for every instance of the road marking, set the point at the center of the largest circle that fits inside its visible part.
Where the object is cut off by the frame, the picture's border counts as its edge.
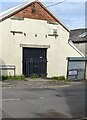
(9, 99)
(41, 97)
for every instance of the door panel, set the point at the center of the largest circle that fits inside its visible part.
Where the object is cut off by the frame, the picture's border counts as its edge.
(76, 70)
(34, 61)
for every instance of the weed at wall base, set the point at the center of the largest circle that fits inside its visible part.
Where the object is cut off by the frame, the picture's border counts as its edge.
(16, 77)
(58, 78)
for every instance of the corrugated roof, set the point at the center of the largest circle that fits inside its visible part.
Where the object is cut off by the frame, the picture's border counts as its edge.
(82, 35)
(10, 12)
(78, 35)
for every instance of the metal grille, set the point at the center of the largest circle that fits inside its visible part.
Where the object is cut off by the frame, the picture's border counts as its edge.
(33, 67)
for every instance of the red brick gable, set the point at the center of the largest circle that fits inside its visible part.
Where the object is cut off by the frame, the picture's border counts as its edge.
(35, 11)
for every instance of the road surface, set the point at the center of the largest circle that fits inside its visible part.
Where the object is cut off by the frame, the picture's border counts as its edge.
(56, 102)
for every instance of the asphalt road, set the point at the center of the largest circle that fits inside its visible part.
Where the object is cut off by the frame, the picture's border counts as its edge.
(62, 102)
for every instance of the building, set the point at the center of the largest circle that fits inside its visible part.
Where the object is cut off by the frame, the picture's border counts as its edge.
(79, 38)
(35, 42)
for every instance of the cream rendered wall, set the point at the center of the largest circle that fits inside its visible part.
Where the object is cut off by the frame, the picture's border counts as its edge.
(7, 46)
(0, 50)
(56, 55)
(0, 46)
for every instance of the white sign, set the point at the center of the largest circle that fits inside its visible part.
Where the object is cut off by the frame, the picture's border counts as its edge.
(74, 72)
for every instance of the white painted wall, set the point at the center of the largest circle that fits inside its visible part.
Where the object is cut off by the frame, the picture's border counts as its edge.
(0, 49)
(56, 55)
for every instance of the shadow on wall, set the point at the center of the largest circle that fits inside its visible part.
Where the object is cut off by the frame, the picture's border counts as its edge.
(2, 72)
